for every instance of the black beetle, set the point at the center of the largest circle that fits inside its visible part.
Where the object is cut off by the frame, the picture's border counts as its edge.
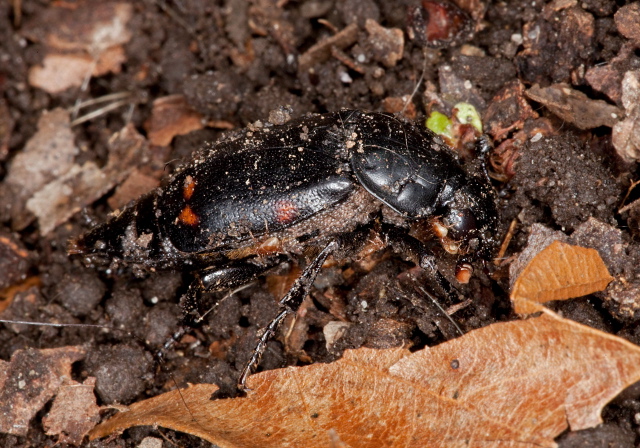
(320, 182)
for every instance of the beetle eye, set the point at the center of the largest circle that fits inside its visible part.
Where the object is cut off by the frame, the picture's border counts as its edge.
(461, 223)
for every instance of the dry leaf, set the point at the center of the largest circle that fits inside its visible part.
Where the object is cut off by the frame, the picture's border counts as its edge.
(63, 197)
(542, 374)
(321, 51)
(171, 116)
(574, 106)
(46, 156)
(86, 40)
(88, 26)
(135, 185)
(59, 71)
(74, 412)
(29, 381)
(540, 237)
(559, 272)
(512, 384)
(625, 135)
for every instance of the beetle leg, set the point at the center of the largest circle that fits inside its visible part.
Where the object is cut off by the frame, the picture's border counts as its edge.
(428, 263)
(290, 303)
(483, 148)
(210, 280)
(232, 275)
(218, 278)
(418, 253)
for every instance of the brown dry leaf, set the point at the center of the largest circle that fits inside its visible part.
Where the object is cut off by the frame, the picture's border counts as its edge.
(321, 51)
(626, 133)
(512, 384)
(84, 26)
(508, 110)
(542, 374)
(84, 39)
(171, 116)
(355, 397)
(134, 186)
(60, 71)
(59, 200)
(63, 197)
(29, 381)
(74, 412)
(559, 272)
(574, 106)
(46, 156)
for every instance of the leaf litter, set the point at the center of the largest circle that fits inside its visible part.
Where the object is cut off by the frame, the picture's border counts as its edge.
(564, 32)
(518, 383)
(559, 272)
(29, 380)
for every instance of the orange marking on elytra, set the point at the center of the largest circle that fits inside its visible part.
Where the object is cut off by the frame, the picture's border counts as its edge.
(189, 187)
(188, 216)
(286, 211)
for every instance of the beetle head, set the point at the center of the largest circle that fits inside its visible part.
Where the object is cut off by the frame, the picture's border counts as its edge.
(466, 221)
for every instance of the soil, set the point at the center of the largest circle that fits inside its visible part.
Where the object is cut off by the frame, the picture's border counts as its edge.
(237, 62)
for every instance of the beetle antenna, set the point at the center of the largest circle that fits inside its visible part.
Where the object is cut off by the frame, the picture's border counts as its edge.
(226, 296)
(52, 324)
(442, 310)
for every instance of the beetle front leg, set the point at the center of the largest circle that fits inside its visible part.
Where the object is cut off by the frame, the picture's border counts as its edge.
(418, 253)
(483, 148)
(289, 304)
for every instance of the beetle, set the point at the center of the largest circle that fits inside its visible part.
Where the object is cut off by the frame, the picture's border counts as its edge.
(318, 185)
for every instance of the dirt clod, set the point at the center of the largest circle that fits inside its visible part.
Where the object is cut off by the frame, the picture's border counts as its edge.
(569, 187)
(80, 292)
(119, 371)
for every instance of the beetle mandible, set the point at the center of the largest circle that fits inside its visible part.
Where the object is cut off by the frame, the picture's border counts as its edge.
(246, 204)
